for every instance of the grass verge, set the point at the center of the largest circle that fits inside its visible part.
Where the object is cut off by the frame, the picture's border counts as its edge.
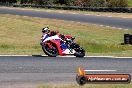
(130, 3)
(88, 86)
(21, 35)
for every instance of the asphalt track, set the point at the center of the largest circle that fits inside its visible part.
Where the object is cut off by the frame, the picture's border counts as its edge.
(101, 20)
(31, 69)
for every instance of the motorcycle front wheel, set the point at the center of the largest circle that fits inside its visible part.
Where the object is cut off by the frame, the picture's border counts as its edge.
(50, 51)
(80, 52)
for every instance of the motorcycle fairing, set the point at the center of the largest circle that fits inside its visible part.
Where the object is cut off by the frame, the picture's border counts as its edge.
(68, 51)
(47, 38)
(63, 50)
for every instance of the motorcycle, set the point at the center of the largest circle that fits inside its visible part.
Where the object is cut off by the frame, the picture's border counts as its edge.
(55, 45)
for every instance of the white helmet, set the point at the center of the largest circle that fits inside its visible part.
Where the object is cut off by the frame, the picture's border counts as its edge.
(46, 29)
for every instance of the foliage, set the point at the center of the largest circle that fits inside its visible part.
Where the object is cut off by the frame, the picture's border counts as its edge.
(43, 2)
(117, 3)
(8, 1)
(82, 3)
(90, 3)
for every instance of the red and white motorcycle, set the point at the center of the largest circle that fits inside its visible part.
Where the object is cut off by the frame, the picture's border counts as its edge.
(60, 45)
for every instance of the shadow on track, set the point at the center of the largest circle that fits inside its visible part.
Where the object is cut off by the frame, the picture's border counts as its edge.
(39, 56)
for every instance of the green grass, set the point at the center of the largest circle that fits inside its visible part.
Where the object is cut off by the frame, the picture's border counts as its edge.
(87, 86)
(130, 3)
(21, 35)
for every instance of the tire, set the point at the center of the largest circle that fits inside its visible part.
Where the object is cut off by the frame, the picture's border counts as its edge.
(80, 52)
(81, 80)
(51, 52)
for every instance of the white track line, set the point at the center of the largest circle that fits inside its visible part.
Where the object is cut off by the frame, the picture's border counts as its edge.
(108, 56)
(71, 56)
(100, 56)
(122, 57)
(100, 70)
(16, 55)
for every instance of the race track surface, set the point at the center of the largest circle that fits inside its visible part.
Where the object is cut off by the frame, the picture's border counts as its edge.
(29, 69)
(101, 20)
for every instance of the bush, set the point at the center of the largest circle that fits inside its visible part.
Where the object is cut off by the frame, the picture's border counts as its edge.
(90, 3)
(117, 3)
(43, 2)
(64, 2)
(97, 3)
(70, 2)
(8, 1)
(37, 2)
(82, 3)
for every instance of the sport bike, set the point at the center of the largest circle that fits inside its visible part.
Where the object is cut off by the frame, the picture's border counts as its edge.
(55, 45)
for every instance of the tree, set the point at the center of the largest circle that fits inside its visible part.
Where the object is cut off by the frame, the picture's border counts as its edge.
(43, 2)
(97, 3)
(23, 1)
(8, 1)
(12, 1)
(90, 3)
(117, 3)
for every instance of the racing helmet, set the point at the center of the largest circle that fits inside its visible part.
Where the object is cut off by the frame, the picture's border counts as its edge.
(46, 29)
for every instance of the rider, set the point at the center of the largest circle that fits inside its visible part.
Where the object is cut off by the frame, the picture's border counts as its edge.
(64, 39)
(52, 33)
(46, 30)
